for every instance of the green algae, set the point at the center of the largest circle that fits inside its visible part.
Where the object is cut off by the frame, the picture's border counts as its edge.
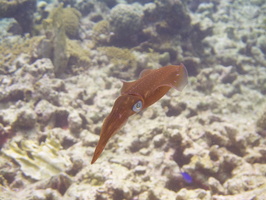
(119, 56)
(38, 161)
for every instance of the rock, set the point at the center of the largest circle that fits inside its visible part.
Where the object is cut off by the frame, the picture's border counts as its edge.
(16, 92)
(140, 170)
(174, 135)
(261, 122)
(44, 49)
(41, 67)
(232, 132)
(88, 138)
(262, 43)
(158, 140)
(26, 118)
(217, 137)
(75, 122)
(164, 58)
(192, 65)
(184, 194)
(229, 75)
(139, 143)
(60, 182)
(215, 186)
(44, 90)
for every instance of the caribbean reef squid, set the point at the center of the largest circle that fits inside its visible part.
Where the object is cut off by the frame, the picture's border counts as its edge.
(137, 95)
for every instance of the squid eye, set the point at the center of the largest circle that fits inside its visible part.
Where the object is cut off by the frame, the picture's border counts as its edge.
(137, 106)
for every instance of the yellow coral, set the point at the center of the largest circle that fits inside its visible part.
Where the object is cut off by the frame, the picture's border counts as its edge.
(38, 161)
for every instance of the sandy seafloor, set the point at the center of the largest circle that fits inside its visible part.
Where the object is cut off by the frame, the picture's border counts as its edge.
(55, 94)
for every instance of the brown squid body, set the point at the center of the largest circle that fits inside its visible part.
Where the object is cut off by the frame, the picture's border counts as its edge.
(137, 95)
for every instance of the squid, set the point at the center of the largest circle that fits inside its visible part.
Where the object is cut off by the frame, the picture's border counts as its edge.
(138, 95)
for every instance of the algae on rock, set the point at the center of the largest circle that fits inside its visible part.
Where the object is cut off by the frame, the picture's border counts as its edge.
(9, 52)
(123, 60)
(118, 55)
(38, 161)
(100, 32)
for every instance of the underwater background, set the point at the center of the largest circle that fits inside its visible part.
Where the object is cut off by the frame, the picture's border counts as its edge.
(61, 66)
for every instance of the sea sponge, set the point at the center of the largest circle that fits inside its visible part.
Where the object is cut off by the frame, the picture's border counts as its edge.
(68, 18)
(61, 26)
(126, 22)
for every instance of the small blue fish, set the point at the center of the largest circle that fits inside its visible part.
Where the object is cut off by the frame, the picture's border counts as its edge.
(187, 178)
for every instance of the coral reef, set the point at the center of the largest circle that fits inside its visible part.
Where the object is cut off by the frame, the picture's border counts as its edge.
(175, 15)
(68, 19)
(126, 23)
(101, 32)
(10, 53)
(22, 11)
